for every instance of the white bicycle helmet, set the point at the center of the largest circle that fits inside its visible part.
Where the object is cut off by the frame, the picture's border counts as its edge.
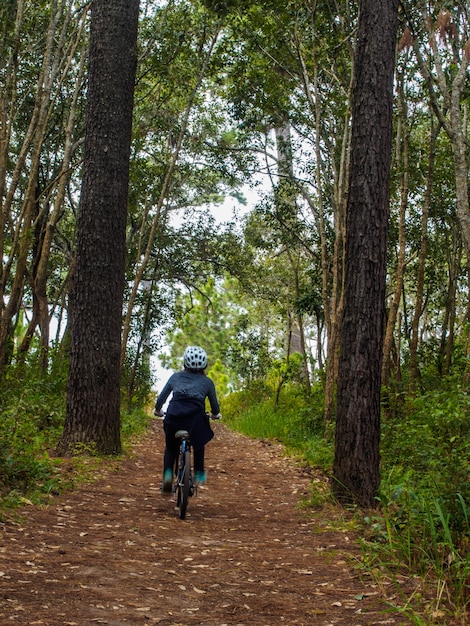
(195, 358)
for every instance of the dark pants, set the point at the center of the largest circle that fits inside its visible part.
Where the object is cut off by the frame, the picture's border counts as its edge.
(172, 445)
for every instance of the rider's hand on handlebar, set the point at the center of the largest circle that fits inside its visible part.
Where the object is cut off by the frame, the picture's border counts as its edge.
(215, 417)
(157, 413)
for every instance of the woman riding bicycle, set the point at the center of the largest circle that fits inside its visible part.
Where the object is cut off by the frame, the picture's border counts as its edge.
(187, 411)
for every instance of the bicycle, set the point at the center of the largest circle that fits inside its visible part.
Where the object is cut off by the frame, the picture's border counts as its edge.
(184, 486)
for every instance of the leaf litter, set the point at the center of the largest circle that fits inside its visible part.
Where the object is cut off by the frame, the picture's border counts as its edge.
(115, 552)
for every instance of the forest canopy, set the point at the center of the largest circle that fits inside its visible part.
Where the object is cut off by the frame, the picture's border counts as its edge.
(226, 99)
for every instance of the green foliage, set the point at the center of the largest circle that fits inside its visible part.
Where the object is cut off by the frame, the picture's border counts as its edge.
(296, 422)
(431, 442)
(413, 536)
(422, 526)
(221, 381)
(217, 317)
(245, 334)
(134, 422)
(248, 355)
(32, 408)
(287, 369)
(223, 7)
(136, 377)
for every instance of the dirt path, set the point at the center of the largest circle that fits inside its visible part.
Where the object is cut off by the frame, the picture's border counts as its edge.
(115, 552)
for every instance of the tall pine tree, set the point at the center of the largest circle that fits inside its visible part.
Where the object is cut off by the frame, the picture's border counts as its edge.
(356, 463)
(93, 400)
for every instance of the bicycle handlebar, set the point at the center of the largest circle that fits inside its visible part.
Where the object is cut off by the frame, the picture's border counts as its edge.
(210, 416)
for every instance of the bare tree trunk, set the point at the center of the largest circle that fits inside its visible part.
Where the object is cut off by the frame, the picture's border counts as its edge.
(356, 474)
(403, 168)
(93, 397)
(336, 303)
(60, 47)
(414, 368)
(40, 276)
(288, 195)
(138, 351)
(159, 214)
(298, 328)
(454, 258)
(332, 295)
(453, 113)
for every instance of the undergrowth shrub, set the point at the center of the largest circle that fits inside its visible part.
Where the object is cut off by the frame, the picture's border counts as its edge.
(428, 450)
(134, 422)
(32, 411)
(422, 525)
(290, 418)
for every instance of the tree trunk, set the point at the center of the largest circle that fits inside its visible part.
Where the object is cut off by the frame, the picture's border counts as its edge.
(356, 462)
(452, 82)
(414, 368)
(402, 166)
(21, 161)
(159, 214)
(28, 156)
(288, 197)
(332, 298)
(454, 258)
(45, 237)
(93, 399)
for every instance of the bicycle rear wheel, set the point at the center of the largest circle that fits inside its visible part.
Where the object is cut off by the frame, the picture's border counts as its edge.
(183, 486)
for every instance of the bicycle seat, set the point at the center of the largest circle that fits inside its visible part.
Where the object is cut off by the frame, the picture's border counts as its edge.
(182, 434)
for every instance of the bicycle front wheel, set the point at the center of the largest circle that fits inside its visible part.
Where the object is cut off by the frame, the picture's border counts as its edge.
(183, 486)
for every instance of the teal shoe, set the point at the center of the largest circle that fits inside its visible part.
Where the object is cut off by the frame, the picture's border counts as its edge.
(167, 481)
(200, 478)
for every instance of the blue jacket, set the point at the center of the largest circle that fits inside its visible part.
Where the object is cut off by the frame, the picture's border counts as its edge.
(186, 409)
(187, 385)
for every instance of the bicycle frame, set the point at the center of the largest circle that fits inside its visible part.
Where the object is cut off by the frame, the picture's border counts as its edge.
(184, 485)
